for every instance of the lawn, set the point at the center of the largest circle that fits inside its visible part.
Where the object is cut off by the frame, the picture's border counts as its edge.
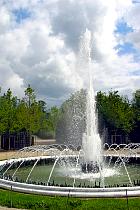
(28, 201)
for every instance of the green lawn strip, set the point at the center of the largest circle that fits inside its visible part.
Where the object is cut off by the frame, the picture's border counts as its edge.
(28, 201)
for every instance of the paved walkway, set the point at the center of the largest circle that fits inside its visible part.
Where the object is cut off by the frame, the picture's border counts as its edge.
(5, 208)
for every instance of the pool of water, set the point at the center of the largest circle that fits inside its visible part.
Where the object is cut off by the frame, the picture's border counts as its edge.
(68, 174)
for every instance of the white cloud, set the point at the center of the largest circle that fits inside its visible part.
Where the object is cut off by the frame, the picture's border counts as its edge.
(4, 20)
(132, 19)
(42, 49)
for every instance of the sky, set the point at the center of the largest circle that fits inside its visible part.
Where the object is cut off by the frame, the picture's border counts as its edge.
(39, 45)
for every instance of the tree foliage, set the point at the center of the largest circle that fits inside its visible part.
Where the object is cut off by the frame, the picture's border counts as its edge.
(21, 114)
(8, 105)
(115, 110)
(136, 105)
(67, 122)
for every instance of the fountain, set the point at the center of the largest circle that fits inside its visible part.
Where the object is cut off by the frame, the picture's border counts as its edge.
(91, 140)
(57, 170)
(65, 170)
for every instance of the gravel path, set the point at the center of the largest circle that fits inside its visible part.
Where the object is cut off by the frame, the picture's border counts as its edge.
(7, 154)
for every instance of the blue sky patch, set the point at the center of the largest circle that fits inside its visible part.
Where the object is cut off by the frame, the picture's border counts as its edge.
(21, 14)
(123, 28)
(136, 1)
(137, 57)
(126, 48)
(135, 73)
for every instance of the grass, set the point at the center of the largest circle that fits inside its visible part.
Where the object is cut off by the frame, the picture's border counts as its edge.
(28, 201)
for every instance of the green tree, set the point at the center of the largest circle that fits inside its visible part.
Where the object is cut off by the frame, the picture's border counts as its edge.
(43, 105)
(26, 114)
(22, 116)
(116, 111)
(135, 134)
(30, 116)
(34, 112)
(30, 96)
(8, 104)
(52, 120)
(136, 105)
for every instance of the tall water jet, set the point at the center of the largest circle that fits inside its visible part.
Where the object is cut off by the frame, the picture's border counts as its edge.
(91, 142)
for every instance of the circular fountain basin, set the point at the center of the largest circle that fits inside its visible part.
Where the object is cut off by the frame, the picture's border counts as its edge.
(56, 172)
